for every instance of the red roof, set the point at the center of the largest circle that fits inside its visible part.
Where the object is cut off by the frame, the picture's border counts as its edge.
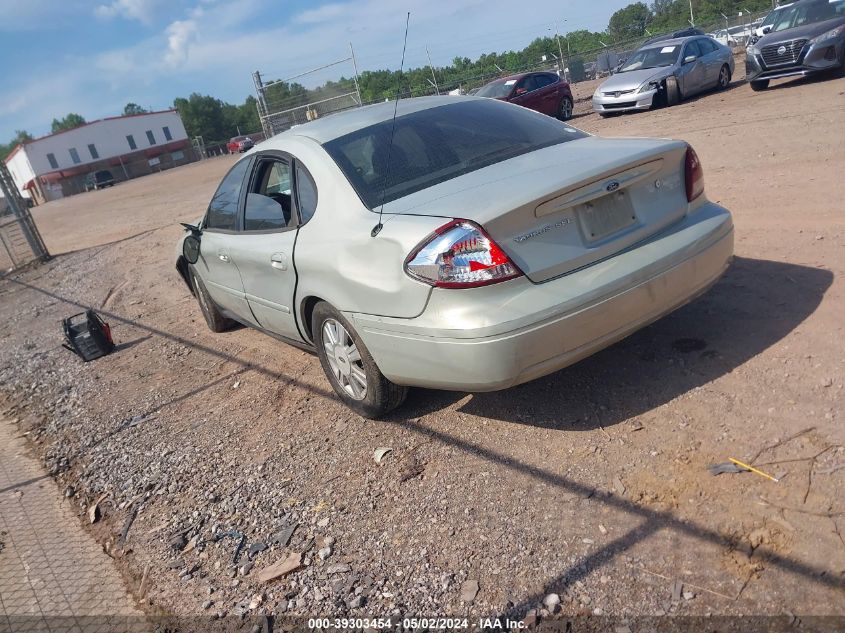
(86, 124)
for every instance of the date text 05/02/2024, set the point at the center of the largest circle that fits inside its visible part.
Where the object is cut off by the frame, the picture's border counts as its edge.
(415, 623)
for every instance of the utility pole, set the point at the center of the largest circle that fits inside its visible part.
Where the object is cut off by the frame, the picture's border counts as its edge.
(355, 68)
(436, 89)
(560, 51)
(266, 127)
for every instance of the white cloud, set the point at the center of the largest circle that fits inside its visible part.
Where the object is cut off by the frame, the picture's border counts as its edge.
(180, 35)
(140, 10)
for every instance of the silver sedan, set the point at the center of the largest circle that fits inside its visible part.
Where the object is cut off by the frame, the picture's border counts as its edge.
(471, 245)
(664, 73)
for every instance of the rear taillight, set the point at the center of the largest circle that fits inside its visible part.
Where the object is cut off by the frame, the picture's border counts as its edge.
(460, 255)
(694, 175)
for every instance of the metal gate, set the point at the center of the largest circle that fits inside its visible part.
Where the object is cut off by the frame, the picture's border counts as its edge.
(20, 241)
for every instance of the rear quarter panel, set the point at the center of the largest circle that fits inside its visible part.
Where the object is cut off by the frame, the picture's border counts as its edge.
(336, 257)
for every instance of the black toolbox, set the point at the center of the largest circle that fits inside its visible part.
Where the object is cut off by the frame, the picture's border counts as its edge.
(88, 335)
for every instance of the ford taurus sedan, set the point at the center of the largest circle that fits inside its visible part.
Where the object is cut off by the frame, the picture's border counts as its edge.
(472, 245)
(665, 72)
(805, 38)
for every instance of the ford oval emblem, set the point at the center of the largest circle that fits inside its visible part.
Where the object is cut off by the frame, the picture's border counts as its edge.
(782, 50)
(612, 186)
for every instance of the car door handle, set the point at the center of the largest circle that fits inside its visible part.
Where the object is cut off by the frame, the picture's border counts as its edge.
(223, 257)
(279, 261)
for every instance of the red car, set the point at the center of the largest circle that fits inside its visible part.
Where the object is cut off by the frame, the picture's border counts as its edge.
(239, 144)
(544, 92)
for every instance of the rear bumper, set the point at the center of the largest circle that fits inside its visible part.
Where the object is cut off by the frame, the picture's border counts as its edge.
(498, 336)
(624, 103)
(813, 59)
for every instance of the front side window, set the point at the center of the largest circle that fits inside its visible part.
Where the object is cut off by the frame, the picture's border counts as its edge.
(150, 137)
(306, 194)
(131, 140)
(51, 158)
(438, 144)
(268, 205)
(692, 49)
(222, 213)
(74, 155)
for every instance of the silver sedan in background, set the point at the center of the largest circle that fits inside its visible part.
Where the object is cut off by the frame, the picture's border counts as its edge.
(663, 73)
(473, 245)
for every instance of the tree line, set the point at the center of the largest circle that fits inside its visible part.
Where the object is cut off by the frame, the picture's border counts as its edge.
(216, 121)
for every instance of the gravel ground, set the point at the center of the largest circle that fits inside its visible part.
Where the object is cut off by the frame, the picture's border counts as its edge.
(215, 459)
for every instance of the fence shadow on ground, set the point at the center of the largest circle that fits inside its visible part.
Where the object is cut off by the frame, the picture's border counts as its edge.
(756, 305)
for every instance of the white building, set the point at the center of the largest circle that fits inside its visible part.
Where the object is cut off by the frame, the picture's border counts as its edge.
(127, 146)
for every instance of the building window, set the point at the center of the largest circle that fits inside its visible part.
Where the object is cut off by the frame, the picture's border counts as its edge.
(167, 133)
(51, 158)
(177, 155)
(150, 137)
(74, 156)
(131, 140)
(93, 151)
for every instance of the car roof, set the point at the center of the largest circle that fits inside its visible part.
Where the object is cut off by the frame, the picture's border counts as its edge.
(332, 126)
(675, 41)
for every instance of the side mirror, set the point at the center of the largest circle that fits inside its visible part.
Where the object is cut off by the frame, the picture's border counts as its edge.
(191, 248)
(690, 59)
(767, 30)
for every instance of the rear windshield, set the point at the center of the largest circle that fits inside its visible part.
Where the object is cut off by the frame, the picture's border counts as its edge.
(435, 145)
(497, 89)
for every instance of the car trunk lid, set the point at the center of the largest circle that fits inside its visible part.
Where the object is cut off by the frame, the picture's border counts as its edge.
(567, 206)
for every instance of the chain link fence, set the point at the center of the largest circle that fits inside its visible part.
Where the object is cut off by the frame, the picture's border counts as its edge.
(20, 241)
(284, 103)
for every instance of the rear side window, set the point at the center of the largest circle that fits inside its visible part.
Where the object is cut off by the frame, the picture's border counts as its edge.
(438, 144)
(707, 46)
(223, 211)
(306, 194)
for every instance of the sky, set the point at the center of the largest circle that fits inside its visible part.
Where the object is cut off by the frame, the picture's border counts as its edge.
(93, 57)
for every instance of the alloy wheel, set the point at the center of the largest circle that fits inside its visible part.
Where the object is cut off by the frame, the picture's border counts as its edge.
(344, 359)
(566, 109)
(724, 77)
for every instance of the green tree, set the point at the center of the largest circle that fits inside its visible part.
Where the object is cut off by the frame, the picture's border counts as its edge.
(203, 116)
(630, 22)
(71, 121)
(21, 136)
(133, 108)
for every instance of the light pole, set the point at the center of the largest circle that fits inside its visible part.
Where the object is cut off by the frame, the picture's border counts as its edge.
(691, 16)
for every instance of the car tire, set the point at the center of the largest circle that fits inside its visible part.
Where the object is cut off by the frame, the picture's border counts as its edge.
(758, 86)
(213, 317)
(673, 91)
(724, 78)
(350, 368)
(565, 109)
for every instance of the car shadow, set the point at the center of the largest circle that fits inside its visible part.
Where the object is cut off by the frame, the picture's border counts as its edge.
(756, 304)
(798, 82)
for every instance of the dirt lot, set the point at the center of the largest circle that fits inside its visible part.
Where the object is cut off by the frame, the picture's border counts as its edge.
(591, 483)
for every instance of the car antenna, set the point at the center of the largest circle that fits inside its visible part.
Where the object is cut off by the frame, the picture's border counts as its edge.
(378, 227)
